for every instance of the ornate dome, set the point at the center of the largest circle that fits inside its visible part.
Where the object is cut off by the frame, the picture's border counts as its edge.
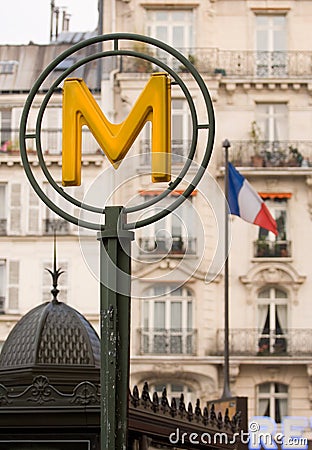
(51, 334)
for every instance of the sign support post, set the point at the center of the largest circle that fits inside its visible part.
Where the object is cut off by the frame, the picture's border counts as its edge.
(115, 286)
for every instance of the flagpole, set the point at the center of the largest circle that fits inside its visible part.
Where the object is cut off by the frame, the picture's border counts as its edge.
(226, 374)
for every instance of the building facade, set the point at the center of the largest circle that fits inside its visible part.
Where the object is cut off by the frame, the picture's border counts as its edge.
(255, 59)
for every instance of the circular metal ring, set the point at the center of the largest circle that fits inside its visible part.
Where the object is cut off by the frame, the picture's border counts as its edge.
(118, 52)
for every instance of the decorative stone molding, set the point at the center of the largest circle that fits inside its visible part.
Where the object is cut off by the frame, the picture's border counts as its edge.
(309, 184)
(234, 372)
(272, 274)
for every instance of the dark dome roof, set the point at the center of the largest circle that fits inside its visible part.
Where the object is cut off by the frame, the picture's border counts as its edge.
(51, 334)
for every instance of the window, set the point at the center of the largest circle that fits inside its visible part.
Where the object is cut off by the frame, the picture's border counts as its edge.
(272, 321)
(5, 129)
(180, 134)
(175, 27)
(272, 400)
(174, 390)
(7, 67)
(3, 213)
(268, 244)
(9, 286)
(174, 234)
(271, 44)
(272, 120)
(167, 321)
(181, 130)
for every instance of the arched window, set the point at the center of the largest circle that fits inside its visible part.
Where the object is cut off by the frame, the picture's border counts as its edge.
(167, 320)
(272, 400)
(272, 321)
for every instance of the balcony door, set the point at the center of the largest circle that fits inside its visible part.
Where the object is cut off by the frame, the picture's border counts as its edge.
(272, 321)
(268, 243)
(271, 46)
(167, 321)
(174, 234)
(272, 119)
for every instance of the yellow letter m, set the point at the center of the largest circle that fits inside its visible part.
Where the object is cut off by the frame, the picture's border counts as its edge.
(80, 108)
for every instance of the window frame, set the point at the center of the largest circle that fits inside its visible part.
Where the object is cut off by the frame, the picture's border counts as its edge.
(273, 397)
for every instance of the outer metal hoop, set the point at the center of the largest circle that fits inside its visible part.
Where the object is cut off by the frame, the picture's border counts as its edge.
(115, 38)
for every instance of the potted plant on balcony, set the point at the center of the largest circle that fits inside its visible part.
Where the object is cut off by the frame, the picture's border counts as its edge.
(257, 158)
(295, 157)
(263, 248)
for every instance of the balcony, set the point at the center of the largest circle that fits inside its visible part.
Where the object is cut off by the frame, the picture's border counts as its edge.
(51, 141)
(167, 341)
(272, 249)
(271, 154)
(233, 63)
(173, 246)
(252, 342)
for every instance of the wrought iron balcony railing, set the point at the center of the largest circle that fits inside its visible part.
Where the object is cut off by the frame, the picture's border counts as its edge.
(174, 246)
(233, 63)
(51, 141)
(167, 341)
(272, 249)
(271, 153)
(254, 342)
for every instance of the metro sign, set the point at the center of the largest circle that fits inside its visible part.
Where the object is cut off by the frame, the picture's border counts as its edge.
(80, 108)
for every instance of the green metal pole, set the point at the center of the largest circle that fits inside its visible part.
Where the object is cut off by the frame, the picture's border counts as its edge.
(115, 287)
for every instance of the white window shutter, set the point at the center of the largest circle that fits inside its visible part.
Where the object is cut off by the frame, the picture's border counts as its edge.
(15, 209)
(13, 285)
(33, 213)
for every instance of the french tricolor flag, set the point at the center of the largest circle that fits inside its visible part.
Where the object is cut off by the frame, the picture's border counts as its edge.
(246, 203)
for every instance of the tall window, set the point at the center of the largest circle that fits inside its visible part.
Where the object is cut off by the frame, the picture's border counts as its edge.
(9, 286)
(271, 45)
(174, 234)
(167, 320)
(272, 321)
(180, 134)
(175, 27)
(272, 120)
(181, 130)
(272, 400)
(268, 243)
(5, 129)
